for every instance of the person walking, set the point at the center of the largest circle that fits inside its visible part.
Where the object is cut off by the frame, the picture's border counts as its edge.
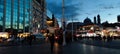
(30, 40)
(52, 40)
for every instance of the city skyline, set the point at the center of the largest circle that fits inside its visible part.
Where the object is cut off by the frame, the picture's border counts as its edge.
(81, 9)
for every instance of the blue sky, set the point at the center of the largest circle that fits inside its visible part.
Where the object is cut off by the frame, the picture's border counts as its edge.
(80, 9)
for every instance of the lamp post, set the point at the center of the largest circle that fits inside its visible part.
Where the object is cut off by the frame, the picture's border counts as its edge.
(63, 23)
(72, 29)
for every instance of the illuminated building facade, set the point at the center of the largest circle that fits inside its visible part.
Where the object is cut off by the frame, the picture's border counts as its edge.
(39, 16)
(26, 15)
(15, 14)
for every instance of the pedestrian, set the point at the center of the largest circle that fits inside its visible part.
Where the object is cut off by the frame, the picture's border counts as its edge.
(30, 40)
(60, 40)
(104, 37)
(52, 40)
(22, 39)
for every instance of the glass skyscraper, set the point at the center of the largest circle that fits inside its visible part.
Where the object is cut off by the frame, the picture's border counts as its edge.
(15, 14)
(22, 14)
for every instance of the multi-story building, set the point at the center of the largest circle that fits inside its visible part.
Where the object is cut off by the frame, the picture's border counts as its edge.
(15, 14)
(22, 14)
(39, 16)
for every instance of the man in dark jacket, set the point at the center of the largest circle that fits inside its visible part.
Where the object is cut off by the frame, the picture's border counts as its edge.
(52, 40)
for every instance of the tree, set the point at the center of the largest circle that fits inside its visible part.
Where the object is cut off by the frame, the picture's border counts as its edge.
(95, 20)
(105, 24)
(118, 18)
(98, 19)
(53, 19)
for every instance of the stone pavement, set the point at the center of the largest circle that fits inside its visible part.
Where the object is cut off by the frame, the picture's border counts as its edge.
(71, 48)
(108, 44)
(78, 48)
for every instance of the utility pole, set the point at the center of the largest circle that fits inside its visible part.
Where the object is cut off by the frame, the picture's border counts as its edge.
(63, 23)
(72, 30)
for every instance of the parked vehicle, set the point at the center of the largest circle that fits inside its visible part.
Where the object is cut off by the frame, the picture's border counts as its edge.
(10, 39)
(4, 35)
(38, 36)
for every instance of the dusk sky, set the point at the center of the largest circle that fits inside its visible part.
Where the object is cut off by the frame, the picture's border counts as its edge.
(80, 9)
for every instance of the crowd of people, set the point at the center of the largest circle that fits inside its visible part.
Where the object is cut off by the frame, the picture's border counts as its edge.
(104, 38)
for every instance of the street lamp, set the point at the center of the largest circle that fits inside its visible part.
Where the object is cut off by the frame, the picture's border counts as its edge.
(63, 23)
(72, 30)
(49, 22)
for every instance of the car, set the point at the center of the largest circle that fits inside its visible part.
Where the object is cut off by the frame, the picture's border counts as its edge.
(38, 36)
(56, 38)
(4, 35)
(10, 39)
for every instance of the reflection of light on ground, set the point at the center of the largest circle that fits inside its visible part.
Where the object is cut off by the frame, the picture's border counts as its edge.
(84, 48)
(92, 49)
(56, 48)
(56, 44)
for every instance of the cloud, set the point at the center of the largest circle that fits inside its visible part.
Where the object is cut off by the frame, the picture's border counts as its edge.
(108, 7)
(70, 10)
(88, 13)
(109, 14)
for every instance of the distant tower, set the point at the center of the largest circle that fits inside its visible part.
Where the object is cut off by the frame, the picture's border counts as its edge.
(94, 19)
(98, 19)
(118, 18)
(53, 19)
